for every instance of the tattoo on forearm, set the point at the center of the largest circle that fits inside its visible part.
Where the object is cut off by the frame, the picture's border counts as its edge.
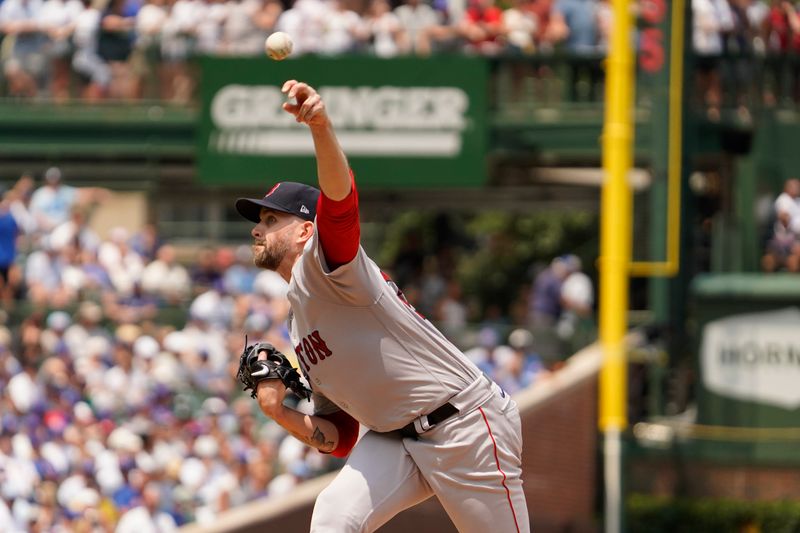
(318, 440)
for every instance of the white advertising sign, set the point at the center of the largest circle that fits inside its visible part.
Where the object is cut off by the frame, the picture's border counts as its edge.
(754, 357)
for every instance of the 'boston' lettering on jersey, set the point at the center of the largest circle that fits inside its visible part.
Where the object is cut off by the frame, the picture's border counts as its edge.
(312, 348)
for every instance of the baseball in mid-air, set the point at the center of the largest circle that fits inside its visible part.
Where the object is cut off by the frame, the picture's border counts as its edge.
(279, 45)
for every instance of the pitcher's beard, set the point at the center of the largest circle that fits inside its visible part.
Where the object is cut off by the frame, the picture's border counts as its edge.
(272, 256)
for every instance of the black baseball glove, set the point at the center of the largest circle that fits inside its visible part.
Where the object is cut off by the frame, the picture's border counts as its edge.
(253, 371)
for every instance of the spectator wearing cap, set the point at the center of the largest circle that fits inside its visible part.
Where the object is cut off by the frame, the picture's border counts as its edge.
(524, 367)
(576, 324)
(52, 203)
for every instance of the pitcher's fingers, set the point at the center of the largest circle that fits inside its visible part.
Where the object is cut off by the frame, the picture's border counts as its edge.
(288, 85)
(297, 88)
(291, 108)
(307, 106)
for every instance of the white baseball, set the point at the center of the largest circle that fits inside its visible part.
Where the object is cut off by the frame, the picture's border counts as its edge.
(279, 45)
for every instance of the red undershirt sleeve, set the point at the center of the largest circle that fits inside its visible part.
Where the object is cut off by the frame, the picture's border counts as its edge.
(339, 227)
(348, 432)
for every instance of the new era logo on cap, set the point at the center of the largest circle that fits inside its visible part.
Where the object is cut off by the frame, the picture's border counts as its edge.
(287, 196)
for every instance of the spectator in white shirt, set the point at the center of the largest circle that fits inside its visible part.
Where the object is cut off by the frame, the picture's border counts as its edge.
(58, 21)
(26, 64)
(86, 61)
(787, 205)
(421, 23)
(248, 24)
(166, 278)
(385, 30)
(345, 32)
(305, 21)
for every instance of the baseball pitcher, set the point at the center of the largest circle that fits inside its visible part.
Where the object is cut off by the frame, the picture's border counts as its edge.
(436, 424)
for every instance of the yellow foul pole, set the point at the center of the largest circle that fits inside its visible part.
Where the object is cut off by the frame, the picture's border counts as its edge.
(615, 252)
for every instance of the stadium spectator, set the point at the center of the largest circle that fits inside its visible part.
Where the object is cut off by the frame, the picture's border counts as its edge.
(86, 60)
(576, 325)
(57, 20)
(52, 203)
(488, 353)
(25, 66)
(247, 24)
(451, 312)
(75, 231)
(178, 37)
(205, 273)
(783, 244)
(306, 21)
(165, 278)
(147, 516)
(149, 23)
(345, 31)
(146, 242)
(520, 25)
(482, 27)
(240, 277)
(712, 19)
(545, 298)
(420, 22)
(385, 32)
(545, 309)
(123, 265)
(551, 27)
(524, 366)
(9, 230)
(209, 31)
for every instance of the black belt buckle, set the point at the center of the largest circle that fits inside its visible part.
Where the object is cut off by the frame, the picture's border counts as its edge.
(438, 415)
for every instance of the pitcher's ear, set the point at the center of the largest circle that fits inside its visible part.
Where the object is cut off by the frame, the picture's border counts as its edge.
(307, 229)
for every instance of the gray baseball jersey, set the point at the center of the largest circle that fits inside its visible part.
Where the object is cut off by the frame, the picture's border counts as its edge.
(366, 350)
(362, 346)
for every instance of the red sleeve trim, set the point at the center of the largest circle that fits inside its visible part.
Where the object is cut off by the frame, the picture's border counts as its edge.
(339, 227)
(347, 426)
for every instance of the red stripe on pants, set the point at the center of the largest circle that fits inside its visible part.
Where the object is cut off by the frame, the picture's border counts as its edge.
(497, 462)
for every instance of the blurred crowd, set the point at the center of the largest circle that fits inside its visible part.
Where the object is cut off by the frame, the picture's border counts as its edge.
(132, 49)
(782, 250)
(115, 416)
(118, 48)
(746, 30)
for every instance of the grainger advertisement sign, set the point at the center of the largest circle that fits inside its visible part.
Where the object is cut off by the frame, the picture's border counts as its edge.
(754, 358)
(404, 122)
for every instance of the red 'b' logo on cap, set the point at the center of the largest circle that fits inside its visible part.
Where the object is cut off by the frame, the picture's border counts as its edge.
(272, 190)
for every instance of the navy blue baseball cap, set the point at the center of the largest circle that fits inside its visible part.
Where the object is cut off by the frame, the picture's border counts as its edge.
(287, 197)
